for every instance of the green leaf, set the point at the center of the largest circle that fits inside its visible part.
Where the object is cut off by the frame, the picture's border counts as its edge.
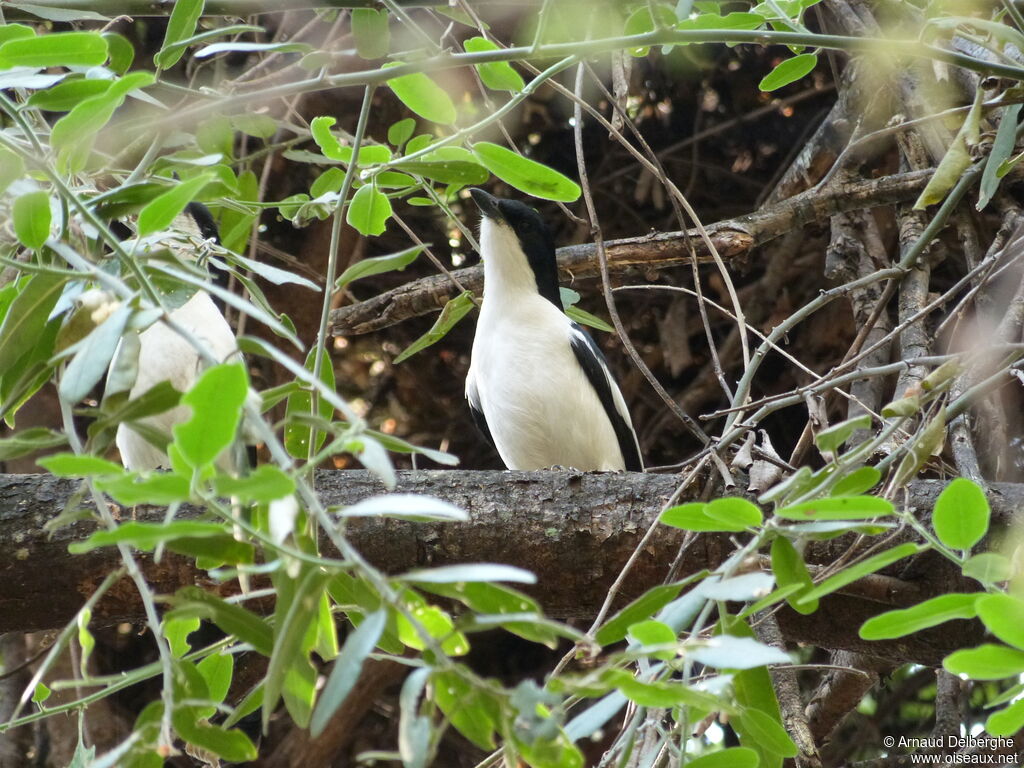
(927, 443)
(233, 619)
(988, 568)
(260, 126)
(789, 71)
(986, 662)
(789, 568)
(297, 607)
(146, 536)
(12, 167)
(422, 95)
(231, 745)
(210, 50)
(176, 630)
(583, 317)
(1006, 722)
(379, 264)
(437, 624)
(472, 709)
(56, 49)
(838, 508)
(75, 130)
(768, 733)
(27, 317)
(161, 211)
(730, 757)
(857, 482)
(154, 489)
(31, 213)
(526, 175)
(93, 357)
(645, 606)
(956, 160)
(641, 21)
(73, 465)
(371, 32)
(15, 32)
(735, 511)
(369, 210)
(400, 132)
(216, 400)
(694, 517)
(453, 311)
(182, 24)
(446, 172)
(347, 668)
(64, 96)
(961, 514)
(41, 693)
(1003, 615)
(496, 75)
(930, 613)
(1002, 148)
(854, 572)
(297, 436)
(831, 440)
(29, 441)
(121, 52)
(660, 694)
(267, 483)
(85, 639)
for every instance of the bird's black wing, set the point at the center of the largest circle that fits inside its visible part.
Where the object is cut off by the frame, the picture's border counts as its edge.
(477, 412)
(594, 365)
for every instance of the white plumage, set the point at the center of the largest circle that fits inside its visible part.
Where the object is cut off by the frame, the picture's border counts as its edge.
(534, 376)
(164, 355)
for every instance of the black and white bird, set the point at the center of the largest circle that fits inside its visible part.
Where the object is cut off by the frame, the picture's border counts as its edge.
(164, 355)
(538, 386)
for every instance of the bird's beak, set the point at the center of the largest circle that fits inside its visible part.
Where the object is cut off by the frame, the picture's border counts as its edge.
(488, 204)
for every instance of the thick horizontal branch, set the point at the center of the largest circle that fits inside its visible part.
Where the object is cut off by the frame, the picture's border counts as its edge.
(733, 239)
(574, 531)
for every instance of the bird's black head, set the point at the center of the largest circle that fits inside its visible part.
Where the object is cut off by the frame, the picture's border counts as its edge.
(534, 238)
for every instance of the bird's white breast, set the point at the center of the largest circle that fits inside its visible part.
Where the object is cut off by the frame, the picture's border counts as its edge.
(166, 356)
(540, 408)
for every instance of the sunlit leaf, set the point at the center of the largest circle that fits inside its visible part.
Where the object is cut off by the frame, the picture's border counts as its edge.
(789, 71)
(182, 24)
(371, 32)
(496, 75)
(423, 96)
(55, 49)
(930, 613)
(526, 175)
(452, 313)
(986, 662)
(369, 210)
(379, 264)
(961, 514)
(31, 214)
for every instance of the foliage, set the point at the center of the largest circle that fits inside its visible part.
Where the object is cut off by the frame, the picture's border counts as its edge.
(87, 140)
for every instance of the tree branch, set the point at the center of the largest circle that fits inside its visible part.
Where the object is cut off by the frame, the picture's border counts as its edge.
(573, 530)
(734, 239)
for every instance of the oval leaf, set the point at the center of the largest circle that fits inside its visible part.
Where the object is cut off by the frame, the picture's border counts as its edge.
(961, 514)
(930, 613)
(789, 71)
(526, 175)
(423, 96)
(369, 211)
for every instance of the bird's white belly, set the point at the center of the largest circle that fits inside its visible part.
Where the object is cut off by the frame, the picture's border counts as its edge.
(540, 408)
(166, 356)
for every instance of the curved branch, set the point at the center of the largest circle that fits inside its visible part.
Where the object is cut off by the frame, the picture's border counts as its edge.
(734, 239)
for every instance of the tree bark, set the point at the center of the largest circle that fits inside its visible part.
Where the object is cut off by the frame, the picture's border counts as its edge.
(734, 240)
(573, 530)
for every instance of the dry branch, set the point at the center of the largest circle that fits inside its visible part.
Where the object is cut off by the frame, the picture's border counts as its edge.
(573, 530)
(734, 239)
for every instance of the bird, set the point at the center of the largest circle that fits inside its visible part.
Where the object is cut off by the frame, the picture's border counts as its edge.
(164, 355)
(538, 387)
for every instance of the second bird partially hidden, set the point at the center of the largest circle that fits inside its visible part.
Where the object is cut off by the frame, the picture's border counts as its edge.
(538, 386)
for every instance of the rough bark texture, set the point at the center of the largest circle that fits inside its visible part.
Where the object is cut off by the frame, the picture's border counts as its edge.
(575, 531)
(734, 240)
